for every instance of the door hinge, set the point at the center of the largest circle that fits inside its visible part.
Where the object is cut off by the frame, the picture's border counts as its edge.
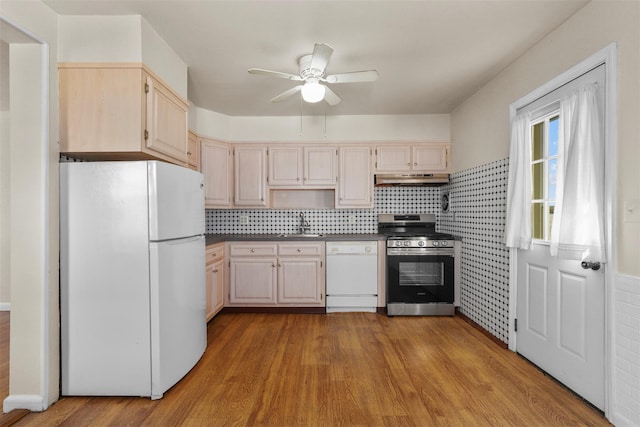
(146, 134)
(515, 325)
(146, 88)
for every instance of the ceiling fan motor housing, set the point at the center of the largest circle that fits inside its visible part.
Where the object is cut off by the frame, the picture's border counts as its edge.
(305, 68)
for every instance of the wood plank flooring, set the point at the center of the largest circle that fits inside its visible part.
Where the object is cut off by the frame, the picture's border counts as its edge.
(342, 369)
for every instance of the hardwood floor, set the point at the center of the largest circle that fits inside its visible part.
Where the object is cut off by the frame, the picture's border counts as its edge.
(342, 369)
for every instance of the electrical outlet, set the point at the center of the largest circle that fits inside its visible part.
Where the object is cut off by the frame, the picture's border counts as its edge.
(244, 220)
(352, 219)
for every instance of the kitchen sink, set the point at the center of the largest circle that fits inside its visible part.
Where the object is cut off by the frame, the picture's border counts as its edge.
(301, 235)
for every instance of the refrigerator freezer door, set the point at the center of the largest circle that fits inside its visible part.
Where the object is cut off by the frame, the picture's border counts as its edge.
(178, 310)
(104, 279)
(176, 202)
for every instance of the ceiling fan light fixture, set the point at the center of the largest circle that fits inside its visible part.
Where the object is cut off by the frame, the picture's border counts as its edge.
(312, 91)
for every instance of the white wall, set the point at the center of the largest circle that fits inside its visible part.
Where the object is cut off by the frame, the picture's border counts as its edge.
(480, 134)
(418, 127)
(120, 39)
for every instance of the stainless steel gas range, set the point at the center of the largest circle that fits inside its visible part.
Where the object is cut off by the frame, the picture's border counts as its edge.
(420, 273)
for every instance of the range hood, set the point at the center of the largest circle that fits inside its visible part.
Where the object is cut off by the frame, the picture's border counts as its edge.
(412, 179)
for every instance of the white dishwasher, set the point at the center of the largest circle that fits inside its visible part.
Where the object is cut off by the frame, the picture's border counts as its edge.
(352, 276)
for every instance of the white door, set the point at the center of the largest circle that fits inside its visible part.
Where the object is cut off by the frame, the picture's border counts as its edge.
(560, 305)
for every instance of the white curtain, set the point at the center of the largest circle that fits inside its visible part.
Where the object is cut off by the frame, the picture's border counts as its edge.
(518, 223)
(577, 231)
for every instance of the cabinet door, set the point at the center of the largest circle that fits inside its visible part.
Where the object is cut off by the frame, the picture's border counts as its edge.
(355, 179)
(320, 166)
(252, 281)
(193, 152)
(391, 158)
(431, 158)
(166, 130)
(101, 109)
(215, 160)
(300, 281)
(285, 166)
(215, 288)
(250, 177)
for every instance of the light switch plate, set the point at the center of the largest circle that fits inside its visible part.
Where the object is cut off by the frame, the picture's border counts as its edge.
(244, 220)
(352, 219)
(632, 210)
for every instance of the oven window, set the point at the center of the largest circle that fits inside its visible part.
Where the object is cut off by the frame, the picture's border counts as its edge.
(421, 274)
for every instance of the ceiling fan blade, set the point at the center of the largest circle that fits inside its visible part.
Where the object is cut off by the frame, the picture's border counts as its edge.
(278, 74)
(353, 77)
(330, 97)
(287, 93)
(320, 57)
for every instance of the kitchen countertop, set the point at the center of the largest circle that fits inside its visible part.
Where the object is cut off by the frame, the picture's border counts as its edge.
(217, 238)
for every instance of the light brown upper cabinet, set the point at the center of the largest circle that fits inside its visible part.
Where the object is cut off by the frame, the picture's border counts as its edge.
(355, 178)
(193, 151)
(216, 166)
(294, 166)
(250, 164)
(425, 157)
(120, 112)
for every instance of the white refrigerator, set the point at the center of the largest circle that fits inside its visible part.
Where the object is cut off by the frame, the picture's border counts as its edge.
(132, 277)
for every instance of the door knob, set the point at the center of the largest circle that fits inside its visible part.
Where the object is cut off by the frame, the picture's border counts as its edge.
(595, 266)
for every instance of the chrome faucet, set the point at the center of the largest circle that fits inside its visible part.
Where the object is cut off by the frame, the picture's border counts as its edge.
(304, 225)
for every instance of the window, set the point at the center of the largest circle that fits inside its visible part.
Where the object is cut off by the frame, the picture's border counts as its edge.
(544, 170)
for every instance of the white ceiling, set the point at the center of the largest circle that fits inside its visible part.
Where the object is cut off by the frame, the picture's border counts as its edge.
(430, 54)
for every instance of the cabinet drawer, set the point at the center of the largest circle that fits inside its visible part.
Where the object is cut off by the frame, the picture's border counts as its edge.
(214, 252)
(253, 249)
(290, 249)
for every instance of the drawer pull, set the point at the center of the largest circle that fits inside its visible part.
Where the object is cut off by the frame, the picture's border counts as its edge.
(299, 250)
(214, 271)
(253, 250)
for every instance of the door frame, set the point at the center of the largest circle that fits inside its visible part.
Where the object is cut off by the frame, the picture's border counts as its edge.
(608, 57)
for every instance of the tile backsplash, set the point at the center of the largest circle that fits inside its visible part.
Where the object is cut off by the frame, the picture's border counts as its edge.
(325, 221)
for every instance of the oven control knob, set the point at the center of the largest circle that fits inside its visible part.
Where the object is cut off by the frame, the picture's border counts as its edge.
(421, 243)
(436, 243)
(406, 243)
(444, 243)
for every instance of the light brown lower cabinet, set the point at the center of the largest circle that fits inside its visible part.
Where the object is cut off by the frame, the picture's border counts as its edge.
(215, 279)
(266, 274)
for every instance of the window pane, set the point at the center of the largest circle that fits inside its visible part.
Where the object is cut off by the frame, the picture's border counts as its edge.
(537, 141)
(553, 135)
(553, 174)
(537, 180)
(537, 220)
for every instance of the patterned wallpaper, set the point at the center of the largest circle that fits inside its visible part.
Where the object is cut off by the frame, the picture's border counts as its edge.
(478, 200)
(477, 214)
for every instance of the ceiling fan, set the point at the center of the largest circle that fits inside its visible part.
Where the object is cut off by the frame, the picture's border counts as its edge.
(312, 69)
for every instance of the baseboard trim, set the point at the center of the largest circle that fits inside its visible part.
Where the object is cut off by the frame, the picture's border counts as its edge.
(5, 306)
(481, 329)
(33, 403)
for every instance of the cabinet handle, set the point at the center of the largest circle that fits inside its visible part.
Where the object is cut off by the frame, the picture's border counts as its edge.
(188, 153)
(299, 250)
(273, 265)
(279, 265)
(253, 250)
(214, 271)
(409, 164)
(415, 164)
